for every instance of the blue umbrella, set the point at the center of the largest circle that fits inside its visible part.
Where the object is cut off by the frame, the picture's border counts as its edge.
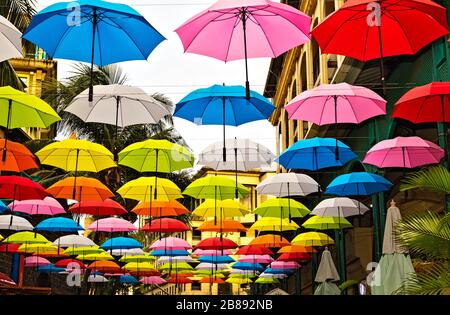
(120, 243)
(169, 252)
(216, 259)
(223, 105)
(247, 266)
(93, 31)
(316, 153)
(128, 279)
(50, 269)
(3, 208)
(358, 184)
(59, 225)
(278, 271)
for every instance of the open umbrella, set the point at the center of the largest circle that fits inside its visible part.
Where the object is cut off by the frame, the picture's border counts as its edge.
(222, 226)
(219, 259)
(339, 207)
(287, 185)
(406, 152)
(211, 252)
(220, 105)
(312, 239)
(315, 153)
(20, 188)
(98, 208)
(294, 257)
(171, 242)
(83, 250)
(18, 158)
(121, 243)
(357, 184)
(274, 224)
(228, 208)
(92, 36)
(65, 263)
(36, 261)
(172, 208)
(96, 278)
(73, 240)
(260, 259)
(104, 266)
(153, 280)
(326, 223)
(216, 243)
(25, 238)
(10, 38)
(112, 225)
(231, 30)
(128, 279)
(367, 29)
(135, 258)
(283, 208)
(20, 109)
(254, 250)
(326, 275)
(142, 189)
(47, 206)
(14, 223)
(165, 225)
(269, 240)
(85, 189)
(59, 225)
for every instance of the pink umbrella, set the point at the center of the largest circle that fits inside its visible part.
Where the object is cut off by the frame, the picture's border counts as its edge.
(153, 280)
(173, 243)
(112, 225)
(284, 265)
(48, 206)
(256, 259)
(211, 252)
(234, 29)
(36, 261)
(405, 152)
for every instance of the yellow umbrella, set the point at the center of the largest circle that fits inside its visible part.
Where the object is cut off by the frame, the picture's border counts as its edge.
(39, 248)
(141, 189)
(139, 266)
(228, 208)
(274, 224)
(239, 280)
(312, 239)
(98, 256)
(83, 250)
(136, 258)
(1, 237)
(25, 238)
(326, 223)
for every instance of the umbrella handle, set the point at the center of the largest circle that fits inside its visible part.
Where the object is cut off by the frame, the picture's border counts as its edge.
(7, 128)
(94, 27)
(224, 151)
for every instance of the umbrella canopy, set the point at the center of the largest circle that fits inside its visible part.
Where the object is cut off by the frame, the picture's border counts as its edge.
(50, 269)
(142, 268)
(216, 243)
(3, 207)
(425, 104)
(312, 239)
(104, 266)
(47, 206)
(171, 243)
(284, 265)
(282, 207)
(102, 256)
(165, 225)
(406, 152)
(136, 258)
(10, 248)
(36, 261)
(211, 252)
(154, 280)
(274, 224)
(213, 266)
(21, 188)
(336, 103)
(67, 262)
(14, 223)
(241, 155)
(121, 243)
(95, 278)
(327, 270)
(222, 226)
(119, 105)
(159, 208)
(10, 38)
(216, 259)
(40, 248)
(179, 280)
(267, 281)
(288, 184)
(260, 259)
(128, 279)
(358, 183)
(215, 187)
(269, 240)
(112, 225)
(254, 250)
(73, 241)
(105, 207)
(129, 252)
(294, 257)
(76, 155)
(169, 252)
(154, 155)
(339, 207)
(25, 238)
(176, 266)
(212, 280)
(18, 158)
(6, 280)
(83, 250)
(59, 225)
(85, 189)
(316, 153)
(227, 208)
(169, 259)
(247, 266)
(326, 223)
(234, 280)
(142, 189)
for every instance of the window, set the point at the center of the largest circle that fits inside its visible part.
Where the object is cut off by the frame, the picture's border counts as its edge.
(196, 286)
(196, 235)
(329, 7)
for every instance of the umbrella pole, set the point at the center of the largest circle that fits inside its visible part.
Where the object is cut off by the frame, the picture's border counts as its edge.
(244, 28)
(116, 128)
(91, 83)
(336, 127)
(156, 171)
(75, 177)
(224, 151)
(7, 128)
(236, 192)
(215, 205)
(13, 204)
(383, 79)
(289, 204)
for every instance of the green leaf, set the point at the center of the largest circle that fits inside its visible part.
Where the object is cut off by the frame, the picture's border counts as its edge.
(435, 178)
(435, 281)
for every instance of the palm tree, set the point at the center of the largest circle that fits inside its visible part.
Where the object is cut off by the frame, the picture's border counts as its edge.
(435, 178)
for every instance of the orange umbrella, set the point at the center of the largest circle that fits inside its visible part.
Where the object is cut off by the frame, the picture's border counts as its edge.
(105, 266)
(222, 226)
(179, 280)
(211, 280)
(270, 240)
(296, 249)
(158, 208)
(56, 253)
(86, 189)
(18, 157)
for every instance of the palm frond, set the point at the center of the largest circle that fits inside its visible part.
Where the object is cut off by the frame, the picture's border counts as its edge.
(434, 281)
(424, 234)
(435, 178)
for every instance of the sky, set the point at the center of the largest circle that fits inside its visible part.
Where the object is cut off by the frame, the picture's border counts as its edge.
(170, 71)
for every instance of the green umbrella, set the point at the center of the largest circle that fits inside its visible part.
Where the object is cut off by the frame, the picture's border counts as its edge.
(282, 207)
(326, 223)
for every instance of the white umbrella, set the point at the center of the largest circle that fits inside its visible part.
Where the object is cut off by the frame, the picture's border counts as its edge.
(243, 272)
(326, 275)
(288, 184)
(14, 223)
(273, 275)
(73, 240)
(211, 266)
(128, 252)
(97, 279)
(168, 259)
(10, 39)
(118, 105)
(339, 207)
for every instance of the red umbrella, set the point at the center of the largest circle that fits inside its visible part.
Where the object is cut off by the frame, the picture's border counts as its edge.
(6, 280)
(63, 263)
(294, 257)
(216, 243)
(20, 188)
(104, 208)
(10, 248)
(179, 280)
(105, 266)
(212, 280)
(425, 104)
(165, 225)
(254, 250)
(371, 29)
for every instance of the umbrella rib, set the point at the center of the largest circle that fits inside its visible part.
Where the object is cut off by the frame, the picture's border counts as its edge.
(231, 37)
(265, 35)
(403, 30)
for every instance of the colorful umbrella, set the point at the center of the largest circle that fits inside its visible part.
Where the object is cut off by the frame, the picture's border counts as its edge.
(20, 188)
(406, 152)
(136, 258)
(214, 187)
(129, 252)
(18, 158)
(121, 243)
(228, 208)
(104, 266)
(85, 189)
(284, 265)
(94, 33)
(254, 250)
(219, 105)
(14, 223)
(36, 261)
(83, 250)
(231, 30)
(165, 225)
(171, 242)
(98, 208)
(73, 241)
(312, 239)
(111, 225)
(50, 269)
(269, 240)
(216, 243)
(247, 266)
(212, 280)
(294, 257)
(274, 224)
(65, 263)
(315, 153)
(288, 184)
(59, 225)
(102, 256)
(10, 38)
(357, 184)
(267, 281)
(128, 279)
(211, 252)
(222, 226)
(212, 266)
(282, 207)
(326, 223)
(6, 280)
(339, 207)
(220, 259)
(159, 208)
(47, 206)
(142, 189)
(169, 252)
(25, 238)
(260, 259)
(141, 269)
(95, 278)
(154, 280)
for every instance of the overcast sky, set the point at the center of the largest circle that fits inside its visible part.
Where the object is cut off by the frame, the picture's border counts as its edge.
(172, 72)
